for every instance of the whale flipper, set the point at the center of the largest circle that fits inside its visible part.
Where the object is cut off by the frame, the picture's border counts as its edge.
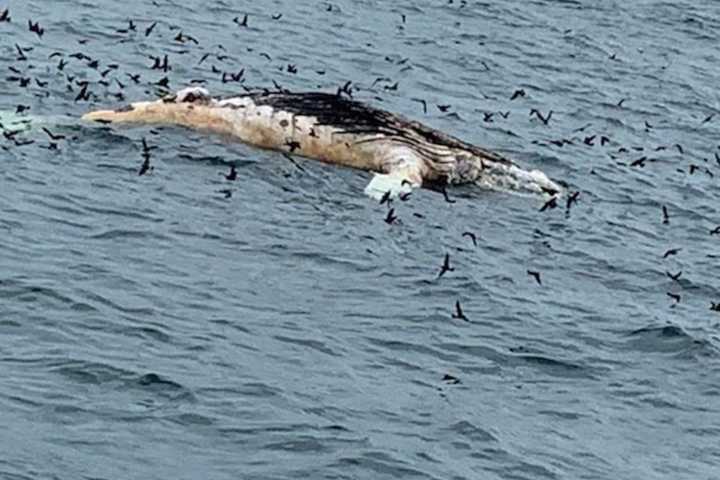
(404, 172)
(392, 184)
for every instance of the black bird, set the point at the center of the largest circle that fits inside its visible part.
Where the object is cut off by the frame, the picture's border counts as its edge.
(53, 136)
(620, 103)
(573, 198)
(446, 266)
(292, 69)
(292, 145)
(380, 79)
(161, 64)
(679, 148)
(517, 93)
(149, 29)
(640, 162)
(404, 196)
(226, 192)
(675, 277)
(391, 217)
(244, 21)
(134, 78)
(590, 141)
(80, 56)
(279, 88)
(666, 217)
(392, 87)
(277, 17)
(443, 108)
(5, 15)
(504, 115)
(24, 82)
(181, 38)
(535, 275)
(550, 204)
(423, 102)
(693, 167)
(545, 119)
(22, 143)
(147, 148)
(83, 95)
(715, 231)
(487, 116)
(10, 134)
(715, 307)
(672, 251)
(35, 27)
(604, 140)
(674, 296)
(708, 118)
(472, 237)
(21, 55)
(386, 197)
(450, 379)
(443, 189)
(346, 89)
(232, 175)
(145, 167)
(459, 313)
(22, 108)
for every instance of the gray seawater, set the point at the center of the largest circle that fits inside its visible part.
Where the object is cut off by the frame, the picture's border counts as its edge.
(152, 328)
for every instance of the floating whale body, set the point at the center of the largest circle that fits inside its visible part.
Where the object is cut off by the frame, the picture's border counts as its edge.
(331, 128)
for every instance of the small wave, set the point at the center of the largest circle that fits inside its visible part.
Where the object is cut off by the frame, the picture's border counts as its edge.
(126, 234)
(670, 339)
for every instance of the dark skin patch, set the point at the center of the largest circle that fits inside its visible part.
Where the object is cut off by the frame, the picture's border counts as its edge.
(356, 117)
(284, 123)
(353, 117)
(126, 108)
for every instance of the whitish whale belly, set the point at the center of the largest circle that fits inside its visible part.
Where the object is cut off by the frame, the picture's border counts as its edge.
(268, 127)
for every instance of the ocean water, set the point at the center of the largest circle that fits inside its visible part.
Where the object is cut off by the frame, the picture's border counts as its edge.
(153, 327)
